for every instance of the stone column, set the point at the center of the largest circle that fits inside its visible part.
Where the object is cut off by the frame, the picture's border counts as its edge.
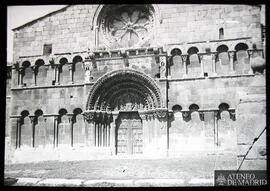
(32, 118)
(104, 134)
(184, 58)
(215, 128)
(70, 67)
(214, 55)
(71, 130)
(162, 115)
(108, 133)
(202, 65)
(250, 53)
(96, 134)
(20, 77)
(87, 68)
(34, 75)
(57, 76)
(91, 133)
(163, 66)
(96, 37)
(231, 54)
(15, 132)
(113, 133)
(55, 142)
(90, 128)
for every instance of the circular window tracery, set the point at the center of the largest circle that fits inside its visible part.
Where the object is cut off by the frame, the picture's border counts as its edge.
(126, 25)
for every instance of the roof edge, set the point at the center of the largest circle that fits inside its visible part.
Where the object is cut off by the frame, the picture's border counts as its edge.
(40, 18)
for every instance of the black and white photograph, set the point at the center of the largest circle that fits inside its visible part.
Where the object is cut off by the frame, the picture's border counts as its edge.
(135, 95)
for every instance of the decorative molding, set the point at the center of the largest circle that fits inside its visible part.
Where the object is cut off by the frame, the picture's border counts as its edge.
(127, 72)
(185, 114)
(161, 113)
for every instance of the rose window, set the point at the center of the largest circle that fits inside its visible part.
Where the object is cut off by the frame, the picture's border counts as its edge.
(127, 26)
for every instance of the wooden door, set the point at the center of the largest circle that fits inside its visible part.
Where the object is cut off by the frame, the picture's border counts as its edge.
(129, 134)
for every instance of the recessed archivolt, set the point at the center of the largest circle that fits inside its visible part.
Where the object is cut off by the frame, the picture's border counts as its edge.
(108, 92)
(139, 96)
(121, 80)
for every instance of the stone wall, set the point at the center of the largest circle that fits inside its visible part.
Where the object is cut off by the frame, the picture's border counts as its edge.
(69, 30)
(251, 121)
(195, 79)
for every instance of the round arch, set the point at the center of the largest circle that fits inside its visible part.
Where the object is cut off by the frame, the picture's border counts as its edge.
(103, 94)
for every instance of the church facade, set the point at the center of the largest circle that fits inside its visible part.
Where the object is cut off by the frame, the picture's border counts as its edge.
(101, 81)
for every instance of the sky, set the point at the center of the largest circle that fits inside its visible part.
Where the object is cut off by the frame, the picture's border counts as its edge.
(19, 15)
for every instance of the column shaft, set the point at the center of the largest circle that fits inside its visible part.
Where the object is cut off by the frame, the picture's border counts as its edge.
(214, 64)
(108, 135)
(231, 61)
(202, 65)
(57, 75)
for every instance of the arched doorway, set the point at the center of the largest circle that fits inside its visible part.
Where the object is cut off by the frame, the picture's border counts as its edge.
(119, 107)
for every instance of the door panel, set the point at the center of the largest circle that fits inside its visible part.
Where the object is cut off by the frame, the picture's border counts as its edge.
(137, 141)
(129, 134)
(122, 141)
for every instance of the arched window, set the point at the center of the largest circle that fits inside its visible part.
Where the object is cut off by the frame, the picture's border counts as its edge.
(40, 72)
(39, 129)
(25, 130)
(193, 62)
(64, 129)
(177, 111)
(241, 58)
(76, 112)
(78, 130)
(223, 106)
(38, 112)
(64, 74)
(241, 46)
(62, 112)
(222, 60)
(221, 33)
(176, 69)
(193, 107)
(27, 74)
(24, 113)
(176, 108)
(226, 134)
(78, 69)
(222, 48)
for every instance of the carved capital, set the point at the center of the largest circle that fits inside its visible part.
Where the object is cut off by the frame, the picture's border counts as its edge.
(89, 116)
(123, 53)
(231, 54)
(184, 57)
(161, 113)
(214, 55)
(232, 114)
(200, 56)
(170, 114)
(143, 116)
(185, 114)
(250, 52)
(217, 114)
(155, 49)
(70, 66)
(87, 65)
(162, 63)
(201, 114)
(16, 65)
(91, 55)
